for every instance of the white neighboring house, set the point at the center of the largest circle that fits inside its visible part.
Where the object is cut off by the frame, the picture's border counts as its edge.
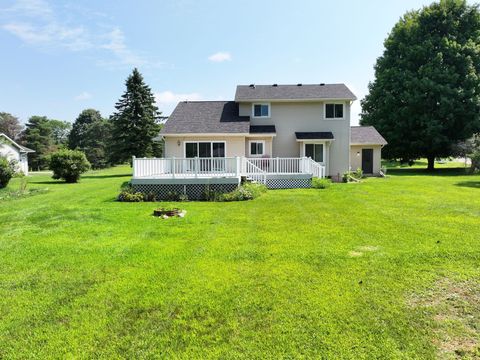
(13, 151)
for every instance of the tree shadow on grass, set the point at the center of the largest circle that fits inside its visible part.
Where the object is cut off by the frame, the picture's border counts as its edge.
(471, 184)
(105, 176)
(51, 182)
(425, 172)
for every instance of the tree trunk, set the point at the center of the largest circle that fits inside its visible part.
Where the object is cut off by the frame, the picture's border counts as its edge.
(431, 163)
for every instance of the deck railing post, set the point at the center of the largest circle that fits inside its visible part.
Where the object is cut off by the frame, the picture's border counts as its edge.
(196, 166)
(134, 166)
(173, 166)
(237, 165)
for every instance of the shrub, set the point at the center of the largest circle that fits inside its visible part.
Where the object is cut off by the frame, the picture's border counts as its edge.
(318, 183)
(352, 176)
(247, 191)
(7, 170)
(68, 165)
(128, 194)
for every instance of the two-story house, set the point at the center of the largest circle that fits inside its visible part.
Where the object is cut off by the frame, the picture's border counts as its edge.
(279, 134)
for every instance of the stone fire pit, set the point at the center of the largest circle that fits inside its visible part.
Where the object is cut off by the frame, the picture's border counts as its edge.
(167, 213)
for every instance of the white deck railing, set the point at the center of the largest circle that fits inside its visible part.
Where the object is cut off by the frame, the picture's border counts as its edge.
(255, 168)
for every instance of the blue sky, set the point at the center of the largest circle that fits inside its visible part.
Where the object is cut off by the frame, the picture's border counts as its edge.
(60, 57)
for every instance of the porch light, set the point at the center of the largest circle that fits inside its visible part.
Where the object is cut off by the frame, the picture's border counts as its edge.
(178, 143)
(358, 153)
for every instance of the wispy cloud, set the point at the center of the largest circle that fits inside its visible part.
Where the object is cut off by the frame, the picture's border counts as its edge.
(220, 56)
(85, 95)
(36, 23)
(116, 44)
(166, 100)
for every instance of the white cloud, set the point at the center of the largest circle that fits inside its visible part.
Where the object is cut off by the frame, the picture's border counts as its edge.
(31, 8)
(75, 38)
(220, 57)
(36, 23)
(116, 44)
(85, 95)
(167, 100)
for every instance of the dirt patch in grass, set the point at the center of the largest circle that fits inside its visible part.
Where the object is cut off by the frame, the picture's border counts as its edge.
(367, 248)
(355, 253)
(454, 307)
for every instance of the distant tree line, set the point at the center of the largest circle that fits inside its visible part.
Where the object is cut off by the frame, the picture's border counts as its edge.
(130, 131)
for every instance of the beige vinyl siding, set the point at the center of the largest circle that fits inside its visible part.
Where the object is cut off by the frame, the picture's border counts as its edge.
(290, 117)
(356, 160)
(234, 145)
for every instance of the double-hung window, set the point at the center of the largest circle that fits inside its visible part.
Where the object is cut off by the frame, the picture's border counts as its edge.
(333, 111)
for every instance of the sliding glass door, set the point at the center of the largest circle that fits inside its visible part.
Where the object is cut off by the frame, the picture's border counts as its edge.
(211, 155)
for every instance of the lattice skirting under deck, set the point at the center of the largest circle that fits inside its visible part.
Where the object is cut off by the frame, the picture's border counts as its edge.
(289, 183)
(193, 191)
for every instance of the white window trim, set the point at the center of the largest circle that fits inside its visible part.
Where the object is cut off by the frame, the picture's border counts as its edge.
(324, 143)
(250, 148)
(262, 117)
(203, 141)
(325, 110)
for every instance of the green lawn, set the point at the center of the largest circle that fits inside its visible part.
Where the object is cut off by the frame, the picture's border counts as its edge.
(388, 268)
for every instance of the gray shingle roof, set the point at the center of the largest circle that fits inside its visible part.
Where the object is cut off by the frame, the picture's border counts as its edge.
(294, 92)
(323, 135)
(191, 117)
(366, 135)
(262, 129)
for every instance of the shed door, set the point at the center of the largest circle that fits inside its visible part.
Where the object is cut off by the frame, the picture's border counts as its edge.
(367, 161)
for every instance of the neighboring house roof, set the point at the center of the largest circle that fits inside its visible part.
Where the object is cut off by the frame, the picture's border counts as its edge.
(22, 148)
(366, 135)
(195, 117)
(323, 135)
(262, 129)
(293, 92)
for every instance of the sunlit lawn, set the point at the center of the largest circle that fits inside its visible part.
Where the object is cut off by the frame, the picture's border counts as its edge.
(354, 271)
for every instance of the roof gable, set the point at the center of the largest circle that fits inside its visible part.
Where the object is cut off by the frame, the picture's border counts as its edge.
(293, 92)
(18, 146)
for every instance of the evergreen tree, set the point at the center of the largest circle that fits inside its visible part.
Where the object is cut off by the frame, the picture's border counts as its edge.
(38, 136)
(135, 121)
(10, 125)
(426, 93)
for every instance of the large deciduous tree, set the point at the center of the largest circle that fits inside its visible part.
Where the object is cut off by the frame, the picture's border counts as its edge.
(91, 134)
(426, 93)
(135, 122)
(10, 125)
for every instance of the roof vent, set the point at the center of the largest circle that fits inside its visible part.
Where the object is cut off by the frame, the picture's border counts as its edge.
(252, 86)
(275, 85)
(322, 84)
(299, 84)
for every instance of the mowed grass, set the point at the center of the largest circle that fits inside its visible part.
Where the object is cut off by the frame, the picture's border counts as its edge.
(356, 271)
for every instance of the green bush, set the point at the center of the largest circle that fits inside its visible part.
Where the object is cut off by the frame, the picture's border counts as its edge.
(318, 183)
(68, 165)
(247, 191)
(352, 176)
(7, 170)
(128, 194)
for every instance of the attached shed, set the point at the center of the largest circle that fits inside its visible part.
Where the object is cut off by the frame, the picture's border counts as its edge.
(14, 151)
(366, 145)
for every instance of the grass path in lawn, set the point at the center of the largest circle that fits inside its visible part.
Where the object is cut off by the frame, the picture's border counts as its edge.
(295, 273)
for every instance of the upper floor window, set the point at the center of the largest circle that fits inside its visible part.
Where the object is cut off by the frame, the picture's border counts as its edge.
(333, 111)
(261, 110)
